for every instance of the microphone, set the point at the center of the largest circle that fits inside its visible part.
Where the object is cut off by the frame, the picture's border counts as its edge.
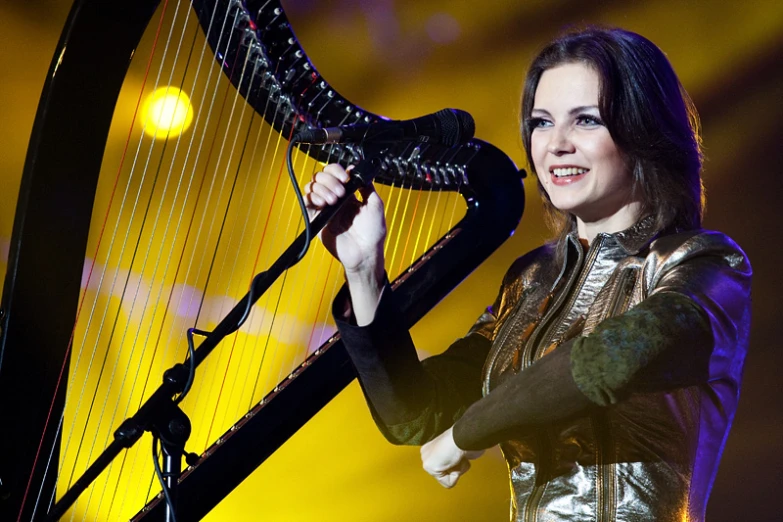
(446, 127)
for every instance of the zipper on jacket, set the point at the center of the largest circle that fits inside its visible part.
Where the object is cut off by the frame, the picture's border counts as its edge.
(498, 343)
(530, 513)
(606, 476)
(574, 330)
(570, 292)
(607, 471)
(528, 354)
(503, 333)
(622, 294)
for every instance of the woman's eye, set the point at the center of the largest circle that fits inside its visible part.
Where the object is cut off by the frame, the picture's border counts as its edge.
(586, 119)
(536, 123)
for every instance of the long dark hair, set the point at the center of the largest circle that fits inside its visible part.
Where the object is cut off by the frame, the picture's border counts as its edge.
(648, 113)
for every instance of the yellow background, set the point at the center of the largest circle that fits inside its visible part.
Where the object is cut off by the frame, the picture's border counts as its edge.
(378, 55)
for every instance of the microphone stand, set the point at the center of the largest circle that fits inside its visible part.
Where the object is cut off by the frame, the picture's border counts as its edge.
(160, 414)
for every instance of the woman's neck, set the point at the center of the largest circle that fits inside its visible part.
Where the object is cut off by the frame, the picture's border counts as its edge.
(617, 222)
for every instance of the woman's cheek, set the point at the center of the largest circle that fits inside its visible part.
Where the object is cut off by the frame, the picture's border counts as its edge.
(543, 180)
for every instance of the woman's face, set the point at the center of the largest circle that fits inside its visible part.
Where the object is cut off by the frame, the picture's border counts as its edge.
(577, 162)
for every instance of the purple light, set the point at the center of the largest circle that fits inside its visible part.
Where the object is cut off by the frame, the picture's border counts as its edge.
(443, 28)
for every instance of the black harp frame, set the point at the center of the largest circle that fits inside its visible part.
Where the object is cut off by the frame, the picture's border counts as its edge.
(54, 210)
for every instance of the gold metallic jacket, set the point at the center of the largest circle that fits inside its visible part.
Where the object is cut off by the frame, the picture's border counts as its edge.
(652, 456)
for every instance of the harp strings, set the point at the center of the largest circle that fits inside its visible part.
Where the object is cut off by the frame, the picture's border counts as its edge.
(264, 327)
(80, 352)
(200, 215)
(49, 467)
(137, 352)
(241, 339)
(240, 224)
(220, 195)
(65, 453)
(117, 272)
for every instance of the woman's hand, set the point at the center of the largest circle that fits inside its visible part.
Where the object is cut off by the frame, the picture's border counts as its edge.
(354, 236)
(444, 460)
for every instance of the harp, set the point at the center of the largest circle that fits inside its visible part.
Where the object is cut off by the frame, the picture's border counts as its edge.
(102, 280)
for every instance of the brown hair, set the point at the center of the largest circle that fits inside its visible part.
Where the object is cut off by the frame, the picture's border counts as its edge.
(648, 113)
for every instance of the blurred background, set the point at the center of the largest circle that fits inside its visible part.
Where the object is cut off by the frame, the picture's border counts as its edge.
(405, 58)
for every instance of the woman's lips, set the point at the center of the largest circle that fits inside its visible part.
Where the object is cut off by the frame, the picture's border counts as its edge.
(567, 175)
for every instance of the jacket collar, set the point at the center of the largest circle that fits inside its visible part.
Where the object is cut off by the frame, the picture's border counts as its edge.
(631, 240)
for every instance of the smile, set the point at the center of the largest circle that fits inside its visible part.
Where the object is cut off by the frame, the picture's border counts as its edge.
(569, 171)
(564, 176)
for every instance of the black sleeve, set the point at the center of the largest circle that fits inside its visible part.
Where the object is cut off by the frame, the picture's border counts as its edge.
(411, 401)
(542, 393)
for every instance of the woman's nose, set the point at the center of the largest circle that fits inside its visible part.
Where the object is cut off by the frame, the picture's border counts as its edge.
(560, 142)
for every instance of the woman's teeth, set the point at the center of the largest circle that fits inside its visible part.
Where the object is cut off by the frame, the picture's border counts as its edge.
(570, 171)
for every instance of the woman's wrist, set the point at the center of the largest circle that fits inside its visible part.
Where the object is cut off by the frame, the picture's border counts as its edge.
(365, 284)
(370, 271)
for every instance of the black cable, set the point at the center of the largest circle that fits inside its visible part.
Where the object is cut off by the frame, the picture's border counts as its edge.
(249, 303)
(307, 240)
(300, 198)
(305, 246)
(162, 481)
(191, 361)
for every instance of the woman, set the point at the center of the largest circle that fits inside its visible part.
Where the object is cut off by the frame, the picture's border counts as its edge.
(608, 368)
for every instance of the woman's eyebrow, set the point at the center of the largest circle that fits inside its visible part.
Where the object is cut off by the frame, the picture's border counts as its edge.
(583, 108)
(571, 112)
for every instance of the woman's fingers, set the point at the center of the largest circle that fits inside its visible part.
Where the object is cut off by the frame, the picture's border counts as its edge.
(329, 182)
(337, 171)
(326, 194)
(326, 187)
(444, 460)
(449, 478)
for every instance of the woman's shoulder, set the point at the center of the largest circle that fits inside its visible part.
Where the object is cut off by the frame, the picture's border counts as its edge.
(533, 263)
(697, 242)
(673, 249)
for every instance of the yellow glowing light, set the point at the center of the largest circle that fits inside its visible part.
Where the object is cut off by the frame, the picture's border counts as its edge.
(167, 112)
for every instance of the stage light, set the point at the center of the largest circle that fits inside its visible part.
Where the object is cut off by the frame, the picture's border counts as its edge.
(166, 113)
